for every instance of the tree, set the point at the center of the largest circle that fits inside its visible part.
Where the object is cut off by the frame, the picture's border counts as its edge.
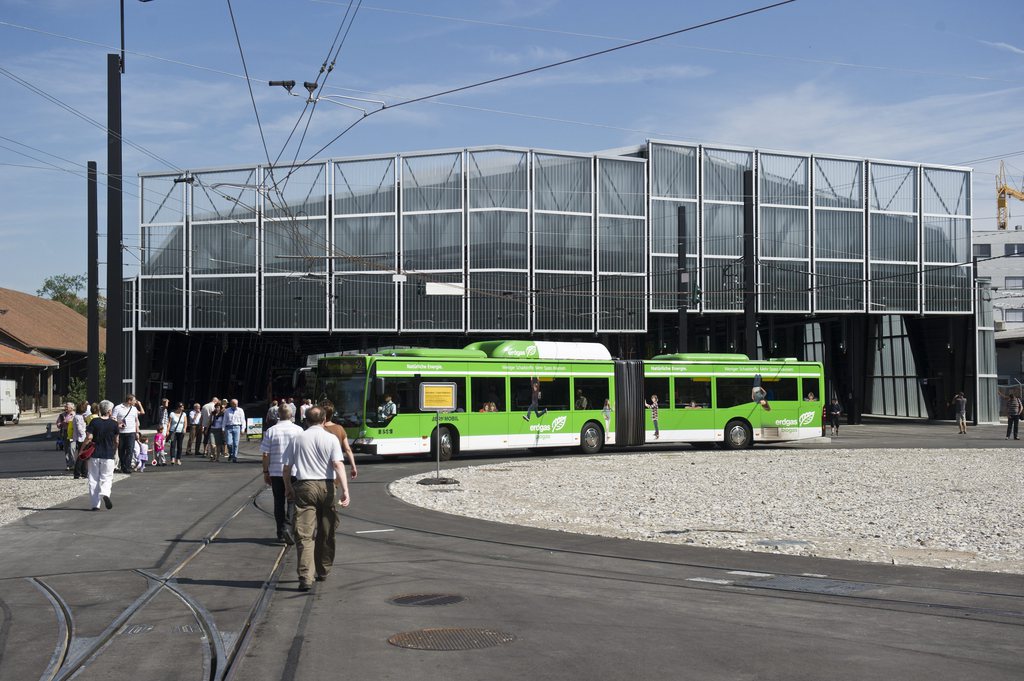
(64, 289)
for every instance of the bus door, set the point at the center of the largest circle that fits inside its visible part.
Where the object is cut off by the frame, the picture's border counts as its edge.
(489, 425)
(695, 411)
(782, 394)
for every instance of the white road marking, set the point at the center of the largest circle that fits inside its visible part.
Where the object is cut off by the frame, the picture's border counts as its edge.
(750, 574)
(709, 580)
(372, 531)
(811, 574)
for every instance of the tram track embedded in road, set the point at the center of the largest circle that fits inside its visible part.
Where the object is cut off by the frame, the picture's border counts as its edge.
(72, 655)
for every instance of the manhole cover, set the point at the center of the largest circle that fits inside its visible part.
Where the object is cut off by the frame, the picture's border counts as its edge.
(455, 638)
(427, 599)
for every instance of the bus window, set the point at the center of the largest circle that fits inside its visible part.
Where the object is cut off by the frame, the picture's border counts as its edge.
(693, 393)
(732, 392)
(659, 387)
(488, 393)
(781, 389)
(590, 391)
(811, 390)
(405, 393)
(554, 393)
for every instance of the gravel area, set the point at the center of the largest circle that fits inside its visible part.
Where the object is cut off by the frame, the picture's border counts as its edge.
(22, 496)
(961, 509)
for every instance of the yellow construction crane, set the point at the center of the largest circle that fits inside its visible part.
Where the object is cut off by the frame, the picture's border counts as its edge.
(1003, 189)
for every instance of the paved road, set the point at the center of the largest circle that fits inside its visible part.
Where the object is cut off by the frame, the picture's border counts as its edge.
(151, 596)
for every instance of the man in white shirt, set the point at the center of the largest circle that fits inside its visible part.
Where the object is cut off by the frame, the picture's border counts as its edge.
(315, 459)
(275, 442)
(195, 418)
(126, 416)
(234, 423)
(204, 423)
(303, 411)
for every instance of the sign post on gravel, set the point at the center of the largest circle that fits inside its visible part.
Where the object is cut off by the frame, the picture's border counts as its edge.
(438, 398)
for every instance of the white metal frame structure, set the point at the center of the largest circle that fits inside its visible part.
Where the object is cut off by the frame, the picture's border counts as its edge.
(544, 241)
(364, 289)
(563, 224)
(498, 237)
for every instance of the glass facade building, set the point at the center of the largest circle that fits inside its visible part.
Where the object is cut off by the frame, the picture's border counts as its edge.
(546, 242)
(447, 246)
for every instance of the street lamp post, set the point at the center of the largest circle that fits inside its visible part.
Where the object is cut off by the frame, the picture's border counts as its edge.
(115, 224)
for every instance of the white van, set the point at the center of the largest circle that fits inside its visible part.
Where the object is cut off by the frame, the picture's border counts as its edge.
(9, 410)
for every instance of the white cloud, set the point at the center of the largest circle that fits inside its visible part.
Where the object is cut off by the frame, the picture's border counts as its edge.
(948, 128)
(1003, 46)
(532, 55)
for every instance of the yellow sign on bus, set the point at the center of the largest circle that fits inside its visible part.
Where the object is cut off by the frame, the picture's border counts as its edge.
(438, 397)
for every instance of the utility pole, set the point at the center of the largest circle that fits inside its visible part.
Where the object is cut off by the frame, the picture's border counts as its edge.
(115, 262)
(92, 294)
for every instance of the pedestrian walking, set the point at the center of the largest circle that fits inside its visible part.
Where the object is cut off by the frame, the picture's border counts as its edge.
(1013, 413)
(960, 412)
(195, 430)
(104, 432)
(303, 410)
(217, 431)
(206, 421)
(338, 431)
(234, 425)
(176, 425)
(78, 425)
(273, 447)
(159, 445)
(834, 412)
(141, 454)
(126, 416)
(272, 417)
(61, 426)
(162, 413)
(315, 459)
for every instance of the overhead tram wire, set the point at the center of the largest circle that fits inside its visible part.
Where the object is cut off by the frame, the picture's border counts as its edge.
(535, 70)
(88, 119)
(438, 94)
(544, 67)
(566, 121)
(248, 81)
(718, 50)
(325, 70)
(277, 185)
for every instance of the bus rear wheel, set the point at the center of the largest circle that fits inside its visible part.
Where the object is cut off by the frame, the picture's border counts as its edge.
(738, 435)
(446, 441)
(591, 438)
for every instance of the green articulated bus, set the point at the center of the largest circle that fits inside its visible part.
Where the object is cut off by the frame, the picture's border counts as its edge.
(584, 398)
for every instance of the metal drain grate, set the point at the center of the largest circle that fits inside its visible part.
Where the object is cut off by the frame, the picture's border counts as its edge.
(834, 587)
(427, 599)
(455, 638)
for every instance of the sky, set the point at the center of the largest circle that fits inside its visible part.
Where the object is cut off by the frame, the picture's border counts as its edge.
(932, 81)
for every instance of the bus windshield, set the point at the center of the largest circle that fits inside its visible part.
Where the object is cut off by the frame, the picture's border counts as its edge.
(342, 380)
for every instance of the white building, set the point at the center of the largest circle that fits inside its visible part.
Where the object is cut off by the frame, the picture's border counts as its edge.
(1000, 257)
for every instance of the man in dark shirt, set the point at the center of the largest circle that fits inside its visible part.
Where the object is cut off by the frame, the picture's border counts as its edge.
(103, 431)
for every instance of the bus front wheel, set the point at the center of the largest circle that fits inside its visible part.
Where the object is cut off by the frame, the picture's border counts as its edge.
(738, 435)
(591, 438)
(445, 440)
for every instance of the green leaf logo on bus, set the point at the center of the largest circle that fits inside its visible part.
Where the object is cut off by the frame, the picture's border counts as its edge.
(806, 418)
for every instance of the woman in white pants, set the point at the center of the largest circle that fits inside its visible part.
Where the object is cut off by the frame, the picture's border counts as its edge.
(104, 432)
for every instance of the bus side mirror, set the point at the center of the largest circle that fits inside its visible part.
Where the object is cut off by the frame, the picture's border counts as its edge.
(379, 386)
